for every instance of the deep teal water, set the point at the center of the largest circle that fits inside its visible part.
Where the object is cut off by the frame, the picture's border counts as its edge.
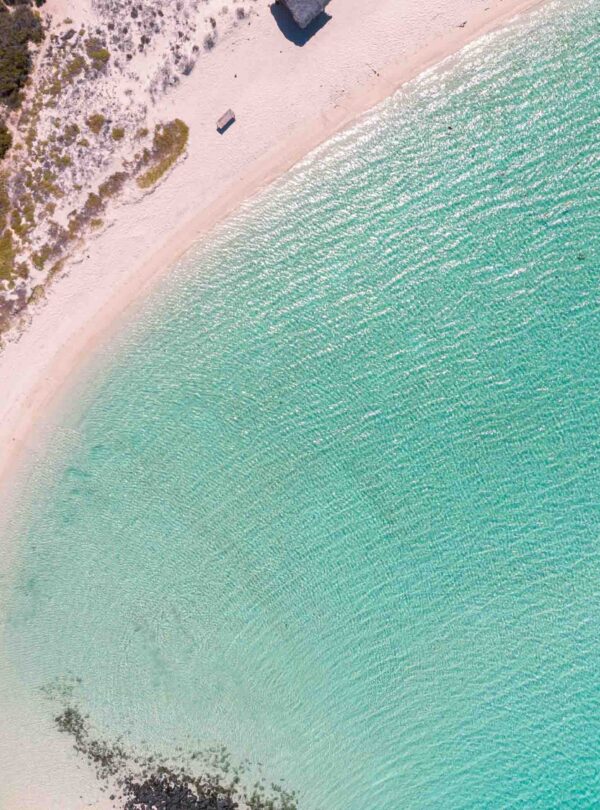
(333, 498)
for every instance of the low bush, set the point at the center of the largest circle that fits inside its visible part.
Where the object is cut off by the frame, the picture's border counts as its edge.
(7, 255)
(5, 139)
(95, 122)
(169, 143)
(97, 52)
(112, 185)
(19, 26)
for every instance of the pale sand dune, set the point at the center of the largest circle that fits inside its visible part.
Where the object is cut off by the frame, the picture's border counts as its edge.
(287, 99)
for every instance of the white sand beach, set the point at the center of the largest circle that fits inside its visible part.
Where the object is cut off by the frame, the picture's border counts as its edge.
(287, 100)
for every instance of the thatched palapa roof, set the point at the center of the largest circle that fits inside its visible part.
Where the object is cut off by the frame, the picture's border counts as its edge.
(305, 11)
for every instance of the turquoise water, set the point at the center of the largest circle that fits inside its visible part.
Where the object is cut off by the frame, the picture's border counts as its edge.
(333, 500)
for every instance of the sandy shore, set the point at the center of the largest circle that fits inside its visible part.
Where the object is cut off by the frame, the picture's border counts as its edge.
(288, 99)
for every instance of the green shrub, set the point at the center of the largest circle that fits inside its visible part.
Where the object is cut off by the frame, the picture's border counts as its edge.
(7, 255)
(112, 185)
(5, 139)
(93, 204)
(118, 134)
(75, 67)
(100, 56)
(97, 52)
(40, 257)
(95, 122)
(18, 28)
(169, 143)
(70, 133)
(4, 202)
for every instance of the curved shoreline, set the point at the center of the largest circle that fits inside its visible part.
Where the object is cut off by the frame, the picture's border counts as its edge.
(22, 405)
(33, 392)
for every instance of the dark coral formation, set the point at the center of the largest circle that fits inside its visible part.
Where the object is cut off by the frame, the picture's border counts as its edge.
(150, 782)
(109, 759)
(167, 790)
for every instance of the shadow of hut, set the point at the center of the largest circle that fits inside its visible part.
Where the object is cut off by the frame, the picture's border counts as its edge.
(291, 30)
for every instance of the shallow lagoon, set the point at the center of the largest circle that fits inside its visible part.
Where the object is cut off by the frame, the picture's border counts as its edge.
(332, 501)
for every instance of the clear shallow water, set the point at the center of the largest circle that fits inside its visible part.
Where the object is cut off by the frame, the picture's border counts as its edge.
(334, 502)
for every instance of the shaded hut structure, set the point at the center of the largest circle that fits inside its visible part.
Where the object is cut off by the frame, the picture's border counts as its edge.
(225, 121)
(304, 11)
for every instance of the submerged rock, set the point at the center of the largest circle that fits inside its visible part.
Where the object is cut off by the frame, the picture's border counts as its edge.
(145, 781)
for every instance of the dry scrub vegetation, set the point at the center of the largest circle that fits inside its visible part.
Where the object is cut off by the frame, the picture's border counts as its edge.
(169, 143)
(80, 121)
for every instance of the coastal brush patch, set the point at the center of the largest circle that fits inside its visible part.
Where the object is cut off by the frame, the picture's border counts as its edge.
(74, 67)
(112, 185)
(95, 122)
(57, 173)
(41, 256)
(95, 205)
(97, 52)
(18, 28)
(169, 143)
(70, 133)
(4, 203)
(7, 255)
(5, 139)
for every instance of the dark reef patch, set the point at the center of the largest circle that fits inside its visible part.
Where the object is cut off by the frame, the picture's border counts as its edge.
(171, 791)
(191, 780)
(108, 758)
